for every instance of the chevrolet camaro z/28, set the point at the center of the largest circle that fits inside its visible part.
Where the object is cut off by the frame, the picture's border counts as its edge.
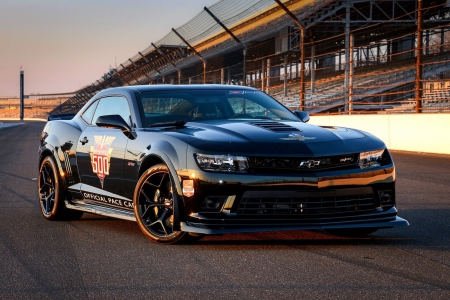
(187, 161)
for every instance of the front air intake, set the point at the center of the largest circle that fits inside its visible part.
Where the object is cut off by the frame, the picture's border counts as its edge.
(326, 204)
(274, 126)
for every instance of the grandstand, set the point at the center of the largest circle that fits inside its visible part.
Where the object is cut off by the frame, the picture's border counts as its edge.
(322, 56)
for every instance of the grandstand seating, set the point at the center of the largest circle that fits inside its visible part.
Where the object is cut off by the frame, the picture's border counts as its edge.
(381, 78)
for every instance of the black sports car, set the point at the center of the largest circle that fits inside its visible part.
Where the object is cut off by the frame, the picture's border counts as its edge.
(185, 161)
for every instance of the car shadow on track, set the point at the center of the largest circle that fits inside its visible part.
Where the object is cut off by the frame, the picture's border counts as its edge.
(297, 238)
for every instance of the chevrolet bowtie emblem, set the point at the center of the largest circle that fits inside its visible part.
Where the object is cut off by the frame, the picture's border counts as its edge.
(297, 137)
(309, 164)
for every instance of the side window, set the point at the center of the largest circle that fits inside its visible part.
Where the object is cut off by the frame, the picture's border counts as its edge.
(113, 106)
(88, 113)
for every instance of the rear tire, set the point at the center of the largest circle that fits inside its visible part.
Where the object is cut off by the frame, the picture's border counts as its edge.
(352, 231)
(153, 205)
(51, 193)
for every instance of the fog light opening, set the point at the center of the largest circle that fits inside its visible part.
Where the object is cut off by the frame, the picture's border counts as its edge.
(213, 203)
(385, 197)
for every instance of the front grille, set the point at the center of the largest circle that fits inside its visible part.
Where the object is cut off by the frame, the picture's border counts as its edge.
(297, 163)
(307, 203)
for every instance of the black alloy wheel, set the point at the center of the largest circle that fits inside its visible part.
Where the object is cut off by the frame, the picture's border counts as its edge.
(51, 199)
(48, 188)
(153, 205)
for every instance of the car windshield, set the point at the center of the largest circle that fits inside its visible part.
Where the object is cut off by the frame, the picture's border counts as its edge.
(204, 105)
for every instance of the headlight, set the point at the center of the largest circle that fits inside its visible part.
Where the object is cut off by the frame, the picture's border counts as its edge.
(371, 159)
(222, 163)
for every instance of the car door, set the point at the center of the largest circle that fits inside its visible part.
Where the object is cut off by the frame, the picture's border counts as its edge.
(101, 151)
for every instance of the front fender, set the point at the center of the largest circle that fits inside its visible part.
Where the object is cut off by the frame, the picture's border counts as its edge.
(166, 153)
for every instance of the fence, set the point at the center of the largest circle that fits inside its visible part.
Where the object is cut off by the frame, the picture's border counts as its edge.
(35, 106)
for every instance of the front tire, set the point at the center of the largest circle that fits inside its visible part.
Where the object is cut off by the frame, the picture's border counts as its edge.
(51, 196)
(153, 205)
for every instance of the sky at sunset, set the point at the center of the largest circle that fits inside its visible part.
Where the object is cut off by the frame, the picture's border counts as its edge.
(63, 45)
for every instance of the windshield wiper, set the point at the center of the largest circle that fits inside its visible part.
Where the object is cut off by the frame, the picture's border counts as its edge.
(177, 124)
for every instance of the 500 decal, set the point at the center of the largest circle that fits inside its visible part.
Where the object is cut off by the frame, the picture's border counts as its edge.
(101, 156)
(100, 165)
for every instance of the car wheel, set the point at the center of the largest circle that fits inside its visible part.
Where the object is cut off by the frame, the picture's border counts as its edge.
(51, 199)
(352, 231)
(153, 205)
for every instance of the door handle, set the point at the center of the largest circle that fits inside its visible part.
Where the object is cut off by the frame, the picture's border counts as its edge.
(84, 141)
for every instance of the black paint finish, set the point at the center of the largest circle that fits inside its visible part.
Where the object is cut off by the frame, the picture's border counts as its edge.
(75, 143)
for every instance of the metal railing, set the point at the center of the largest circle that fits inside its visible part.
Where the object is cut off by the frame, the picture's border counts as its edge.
(347, 56)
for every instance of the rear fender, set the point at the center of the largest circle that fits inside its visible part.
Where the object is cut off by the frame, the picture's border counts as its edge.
(50, 151)
(59, 139)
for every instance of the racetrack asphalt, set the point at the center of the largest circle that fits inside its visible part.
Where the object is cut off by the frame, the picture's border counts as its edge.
(4, 125)
(103, 258)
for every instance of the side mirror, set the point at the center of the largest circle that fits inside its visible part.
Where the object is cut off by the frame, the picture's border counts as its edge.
(115, 121)
(302, 115)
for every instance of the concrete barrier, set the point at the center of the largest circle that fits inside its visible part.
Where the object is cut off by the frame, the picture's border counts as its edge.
(25, 119)
(428, 133)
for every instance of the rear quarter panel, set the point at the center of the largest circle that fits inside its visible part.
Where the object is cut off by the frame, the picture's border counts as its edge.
(60, 139)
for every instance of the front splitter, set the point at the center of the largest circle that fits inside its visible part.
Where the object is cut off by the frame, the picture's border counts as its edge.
(397, 222)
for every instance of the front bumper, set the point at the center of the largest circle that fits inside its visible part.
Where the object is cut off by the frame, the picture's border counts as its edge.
(329, 200)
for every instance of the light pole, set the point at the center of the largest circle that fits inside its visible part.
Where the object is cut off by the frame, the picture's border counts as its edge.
(21, 96)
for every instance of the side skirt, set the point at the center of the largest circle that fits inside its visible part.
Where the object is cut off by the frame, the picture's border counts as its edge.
(102, 210)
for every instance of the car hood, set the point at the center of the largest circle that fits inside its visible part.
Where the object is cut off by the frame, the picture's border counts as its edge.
(276, 138)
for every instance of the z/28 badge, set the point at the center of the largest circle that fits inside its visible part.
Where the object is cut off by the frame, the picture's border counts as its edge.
(101, 156)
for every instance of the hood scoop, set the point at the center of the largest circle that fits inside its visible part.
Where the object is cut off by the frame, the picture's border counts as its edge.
(274, 126)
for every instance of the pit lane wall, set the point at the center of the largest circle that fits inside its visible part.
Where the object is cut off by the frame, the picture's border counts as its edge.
(428, 133)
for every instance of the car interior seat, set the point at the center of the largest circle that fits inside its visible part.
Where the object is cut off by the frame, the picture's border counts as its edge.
(207, 111)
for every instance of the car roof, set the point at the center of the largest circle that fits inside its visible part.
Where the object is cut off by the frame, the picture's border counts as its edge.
(170, 87)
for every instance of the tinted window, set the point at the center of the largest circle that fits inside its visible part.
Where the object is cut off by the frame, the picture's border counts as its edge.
(88, 113)
(243, 107)
(203, 105)
(113, 106)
